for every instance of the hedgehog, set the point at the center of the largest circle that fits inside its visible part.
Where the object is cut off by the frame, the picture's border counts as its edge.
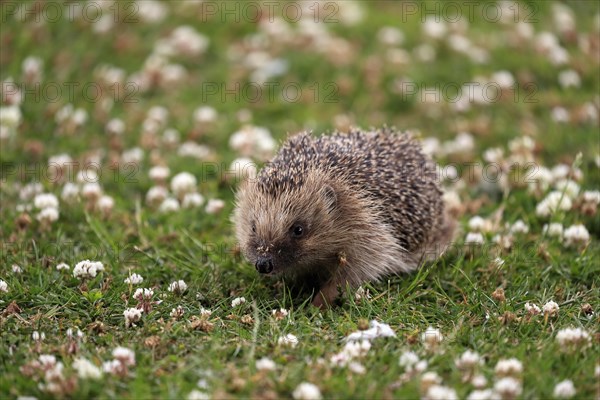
(336, 211)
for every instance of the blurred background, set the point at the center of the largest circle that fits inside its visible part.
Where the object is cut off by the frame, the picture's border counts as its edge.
(180, 83)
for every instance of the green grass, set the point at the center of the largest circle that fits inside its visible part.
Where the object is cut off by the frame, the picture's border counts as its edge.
(453, 294)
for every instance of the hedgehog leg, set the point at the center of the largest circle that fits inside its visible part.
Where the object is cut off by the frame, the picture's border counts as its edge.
(331, 290)
(326, 296)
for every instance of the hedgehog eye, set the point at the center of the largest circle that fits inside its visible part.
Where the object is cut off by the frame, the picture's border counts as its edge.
(253, 227)
(297, 231)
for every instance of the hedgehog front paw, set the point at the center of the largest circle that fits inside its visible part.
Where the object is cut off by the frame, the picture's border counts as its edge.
(326, 296)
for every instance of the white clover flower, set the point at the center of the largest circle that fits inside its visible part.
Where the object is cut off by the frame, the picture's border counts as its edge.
(265, 364)
(191, 200)
(554, 229)
(70, 192)
(289, 340)
(540, 178)
(3, 286)
(486, 394)
(591, 196)
(168, 205)
(390, 36)
(159, 173)
(576, 235)
(237, 301)
(553, 202)
(205, 313)
(597, 371)
(430, 378)
(48, 215)
(88, 175)
(205, 115)
(185, 40)
(59, 162)
(362, 293)
(243, 168)
(183, 183)
(408, 359)
(439, 392)
(431, 338)
(569, 78)
(468, 360)
(141, 294)
(253, 141)
(376, 329)
(64, 114)
(307, 391)
(62, 266)
(560, 114)
(45, 200)
(351, 350)
(280, 314)
(69, 333)
(132, 156)
(16, 269)
(178, 287)
(551, 308)
(194, 150)
(47, 360)
(569, 187)
(115, 127)
(31, 189)
(519, 227)
(508, 387)
(434, 27)
(112, 367)
(509, 367)
(91, 191)
(479, 224)
(176, 312)
(503, 78)
(560, 171)
(532, 309)
(134, 279)
(79, 117)
(32, 68)
(340, 359)
(356, 349)
(356, 368)
(171, 137)
(474, 238)
(564, 390)
(479, 381)
(86, 370)
(105, 204)
(87, 269)
(124, 355)
(10, 117)
(214, 206)
(132, 315)
(572, 338)
(198, 395)
(156, 195)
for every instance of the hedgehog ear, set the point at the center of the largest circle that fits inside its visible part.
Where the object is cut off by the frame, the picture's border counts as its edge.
(329, 196)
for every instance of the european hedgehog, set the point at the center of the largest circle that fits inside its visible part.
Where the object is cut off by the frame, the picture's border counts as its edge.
(343, 209)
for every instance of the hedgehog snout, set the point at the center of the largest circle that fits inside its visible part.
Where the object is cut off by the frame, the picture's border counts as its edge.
(264, 265)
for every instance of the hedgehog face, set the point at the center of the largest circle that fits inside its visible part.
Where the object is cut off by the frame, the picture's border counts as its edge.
(283, 231)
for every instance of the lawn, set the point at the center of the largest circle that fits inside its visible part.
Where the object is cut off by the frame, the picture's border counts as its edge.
(125, 128)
